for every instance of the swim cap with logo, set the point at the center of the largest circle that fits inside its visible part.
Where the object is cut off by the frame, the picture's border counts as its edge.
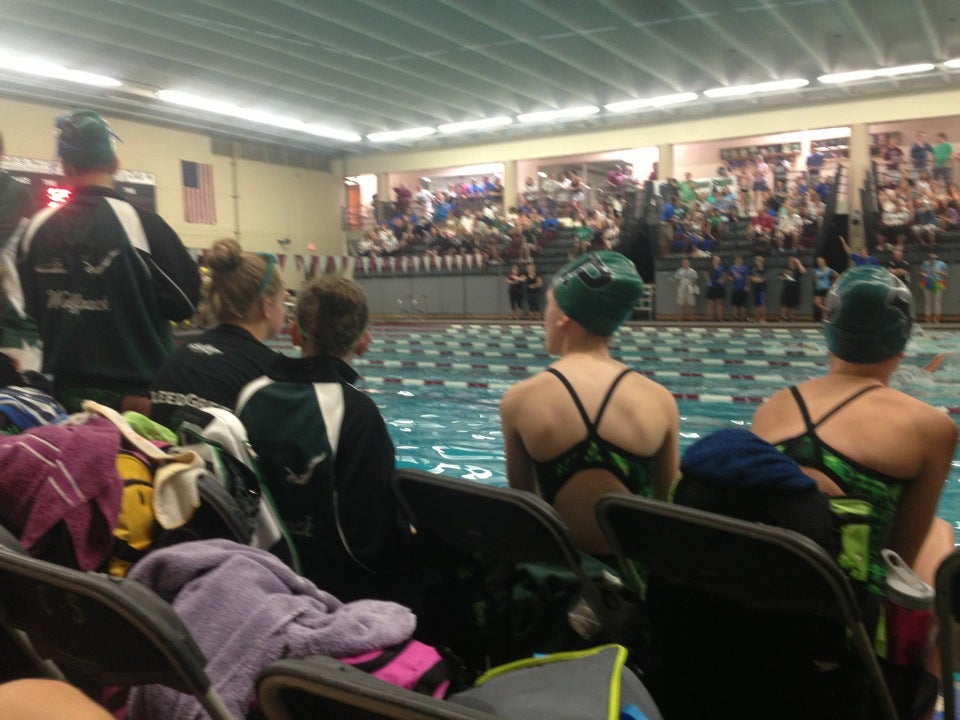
(867, 315)
(86, 140)
(598, 290)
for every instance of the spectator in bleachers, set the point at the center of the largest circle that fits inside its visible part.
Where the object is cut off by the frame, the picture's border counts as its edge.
(529, 193)
(789, 229)
(403, 196)
(895, 220)
(578, 191)
(943, 159)
(424, 201)
(892, 157)
(687, 189)
(920, 153)
(551, 189)
(815, 161)
(761, 183)
(950, 216)
(926, 225)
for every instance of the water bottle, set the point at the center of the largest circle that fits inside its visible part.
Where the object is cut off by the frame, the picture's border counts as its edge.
(908, 610)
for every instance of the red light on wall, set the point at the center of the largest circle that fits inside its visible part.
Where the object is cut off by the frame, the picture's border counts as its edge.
(57, 196)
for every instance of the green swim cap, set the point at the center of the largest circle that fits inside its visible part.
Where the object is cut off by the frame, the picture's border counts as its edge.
(86, 140)
(599, 290)
(867, 315)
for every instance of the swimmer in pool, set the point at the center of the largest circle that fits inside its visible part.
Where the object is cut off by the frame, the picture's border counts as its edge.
(855, 435)
(588, 424)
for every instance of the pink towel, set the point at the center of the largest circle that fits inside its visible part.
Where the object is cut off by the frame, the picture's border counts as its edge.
(69, 473)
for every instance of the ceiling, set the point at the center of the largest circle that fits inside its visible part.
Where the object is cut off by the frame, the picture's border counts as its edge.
(373, 65)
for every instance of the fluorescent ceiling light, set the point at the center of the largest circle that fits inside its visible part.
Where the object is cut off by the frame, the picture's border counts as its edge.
(469, 125)
(262, 117)
(408, 134)
(953, 63)
(551, 115)
(31, 66)
(764, 87)
(653, 102)
(855, 75)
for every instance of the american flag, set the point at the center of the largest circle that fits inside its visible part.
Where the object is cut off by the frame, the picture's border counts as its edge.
(199, 205)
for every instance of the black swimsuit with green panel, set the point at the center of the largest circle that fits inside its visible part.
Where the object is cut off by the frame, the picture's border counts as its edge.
(877, 494)
(593, 452)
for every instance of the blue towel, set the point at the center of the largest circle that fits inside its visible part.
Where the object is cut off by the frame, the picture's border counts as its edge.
(739, 459)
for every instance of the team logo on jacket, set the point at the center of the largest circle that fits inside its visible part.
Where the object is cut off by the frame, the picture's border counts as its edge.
(303, 478)
(102, 266)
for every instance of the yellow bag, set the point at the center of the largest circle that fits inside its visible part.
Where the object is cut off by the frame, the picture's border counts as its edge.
(136, 526)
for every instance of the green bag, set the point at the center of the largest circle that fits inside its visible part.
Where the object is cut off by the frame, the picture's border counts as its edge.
(593, 684)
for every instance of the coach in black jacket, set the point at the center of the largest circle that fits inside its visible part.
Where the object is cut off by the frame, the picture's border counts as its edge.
(102, 278)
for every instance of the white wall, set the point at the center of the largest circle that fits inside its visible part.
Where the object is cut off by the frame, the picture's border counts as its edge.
(256, 202)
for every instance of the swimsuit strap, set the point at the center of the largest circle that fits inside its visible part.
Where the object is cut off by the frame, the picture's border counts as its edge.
(591, 426)
(606, 399)
(573, 394)
(808, 421)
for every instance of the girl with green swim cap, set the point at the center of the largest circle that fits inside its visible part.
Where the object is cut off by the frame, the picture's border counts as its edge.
(588, 424)
(855, 435)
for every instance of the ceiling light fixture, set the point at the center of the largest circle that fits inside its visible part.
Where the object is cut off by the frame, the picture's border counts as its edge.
(653, 102)
(553, 115)
(764, 87)
(262, 117)
(408, 134)
(470, 125)
(952, 63)
(41, 68)
(857, 75)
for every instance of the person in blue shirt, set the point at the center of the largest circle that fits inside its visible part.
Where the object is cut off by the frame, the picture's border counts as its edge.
(933, 280)
(859, 255)
(758, 280)
(739, 274)
(823, 278)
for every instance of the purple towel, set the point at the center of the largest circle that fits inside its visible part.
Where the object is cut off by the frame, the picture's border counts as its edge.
(58, 472)
(245, 609)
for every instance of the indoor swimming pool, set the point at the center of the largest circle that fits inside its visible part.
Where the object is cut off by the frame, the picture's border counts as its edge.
(439, 385)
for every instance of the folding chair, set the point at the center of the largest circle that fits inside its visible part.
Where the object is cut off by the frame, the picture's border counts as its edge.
(514, 525)
(102, 631)
(735, 608)
(948, 615)
(322, 687)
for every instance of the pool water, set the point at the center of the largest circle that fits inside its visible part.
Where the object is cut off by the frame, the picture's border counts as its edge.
(439, 385)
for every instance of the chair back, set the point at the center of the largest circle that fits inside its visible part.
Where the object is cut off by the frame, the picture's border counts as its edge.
(780, 594)
(322, 687)
(101, 630)
(515, 525)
